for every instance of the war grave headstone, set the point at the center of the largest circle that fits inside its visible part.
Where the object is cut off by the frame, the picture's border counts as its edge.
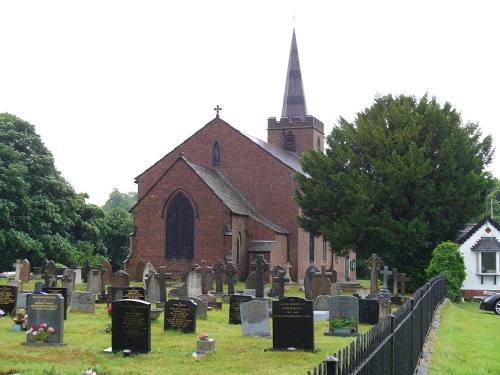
(25, 272)
(235, 301)
(193, 281)
(64, 294)
(139, 271)
(120, 278)
(293, 324)
(308, 278)
(131, 326)
(219, 270)
(180, 315)
(344, 316)
(148, 269)
(106, 266)
(46, 309)
(255, 318)
(8, 298)
(260, 267)
(83, 302)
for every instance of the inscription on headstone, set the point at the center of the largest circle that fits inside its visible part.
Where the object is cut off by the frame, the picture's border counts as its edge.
(344, 307)
(235, 301)
(63, 292)
(47, 309)
(131, 327)
(8, 297)
(181, 315)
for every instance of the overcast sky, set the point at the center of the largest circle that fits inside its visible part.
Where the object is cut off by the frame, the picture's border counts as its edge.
(112, 86)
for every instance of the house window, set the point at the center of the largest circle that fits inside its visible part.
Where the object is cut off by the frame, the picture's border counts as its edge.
(488, 262)
(180, 228)
(216, 153)
(290, 144)
(325, 251)
(311, 249)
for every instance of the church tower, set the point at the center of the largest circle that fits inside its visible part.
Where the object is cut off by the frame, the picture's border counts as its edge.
(296, 130)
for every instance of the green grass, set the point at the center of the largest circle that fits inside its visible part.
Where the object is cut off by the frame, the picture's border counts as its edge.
(467, 341)
(171, 350)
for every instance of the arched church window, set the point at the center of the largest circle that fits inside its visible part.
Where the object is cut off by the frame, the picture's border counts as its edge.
(290, 144)
(180, 228)
(216, 153)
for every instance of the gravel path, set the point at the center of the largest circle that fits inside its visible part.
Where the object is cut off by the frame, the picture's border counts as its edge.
(425, 360)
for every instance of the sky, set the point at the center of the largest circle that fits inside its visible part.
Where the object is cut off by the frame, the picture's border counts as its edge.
(113, 86)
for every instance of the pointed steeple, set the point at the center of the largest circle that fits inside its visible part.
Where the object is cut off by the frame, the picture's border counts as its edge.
(294, 101)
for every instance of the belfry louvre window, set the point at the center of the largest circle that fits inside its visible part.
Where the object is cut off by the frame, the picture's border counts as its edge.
(180, 228)
(290, 144)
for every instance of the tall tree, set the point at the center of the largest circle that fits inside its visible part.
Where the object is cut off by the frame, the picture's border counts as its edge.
(120, 200)
(406, 175)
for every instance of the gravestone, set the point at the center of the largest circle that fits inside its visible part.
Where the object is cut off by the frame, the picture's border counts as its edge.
(38, 287)
(180, 315)
(120, 278)
(131, 326)
(287, 272)
(52, 268)
(402, 279)
(255, 318)
(321, 284)
(374, 263)
(235, 301)
(68, 280)
(344, 306)
(193, 281)
(384, 292)
(308, 278)
(83, 302)
(47, 309)
(17, 269)
(293, 324)
(161, 277)
(251, 281)
(8, 298)
(50, 280)
(273, 292)
(139, 271)
(107, 272)
(134, 292)
(218, 270)
(94, 281)
(64, 294)
(25, 273)
(204, 270)
(260, 267)
(78, 278)
(230, 272)
(152, 289)
(148, 269)
(372, 311)
(87, 268)
(201, 307)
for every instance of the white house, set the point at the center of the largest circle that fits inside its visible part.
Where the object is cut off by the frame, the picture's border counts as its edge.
(480, 246)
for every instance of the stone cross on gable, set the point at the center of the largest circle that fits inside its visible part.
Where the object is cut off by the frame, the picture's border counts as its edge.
(323, 274)
(260, 266)
(162, 278)
(230, 271)
(403, 279)
(204, 269)
(280, 279)
(217, 110)
(374, 264)
(219, 272)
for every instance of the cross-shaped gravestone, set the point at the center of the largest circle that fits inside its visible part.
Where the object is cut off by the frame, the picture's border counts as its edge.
(281, 283)
(230, 272)
(323, 274)
(374, 264)
(219, 272)
(385, 272)
(204, 269)
(17, 266)
(162, 278)
(287, 274)
(395, 277)
(260, 266)
(403, 279)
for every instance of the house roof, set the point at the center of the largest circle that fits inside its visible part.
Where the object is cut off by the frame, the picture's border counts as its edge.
(470, 229)
(230, 196)
(486, 244)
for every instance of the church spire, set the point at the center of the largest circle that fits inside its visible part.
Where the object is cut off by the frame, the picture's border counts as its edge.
(294, 101)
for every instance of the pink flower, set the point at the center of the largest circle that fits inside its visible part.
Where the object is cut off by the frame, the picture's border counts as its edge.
(203, 336)
(51, 330)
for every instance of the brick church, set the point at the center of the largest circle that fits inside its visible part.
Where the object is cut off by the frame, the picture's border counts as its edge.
(223, 194)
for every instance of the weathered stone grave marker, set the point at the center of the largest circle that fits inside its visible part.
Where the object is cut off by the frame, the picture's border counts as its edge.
(255, 318)
(341, 309)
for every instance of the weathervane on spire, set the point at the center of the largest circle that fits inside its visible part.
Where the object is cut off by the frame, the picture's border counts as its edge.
(217, 109)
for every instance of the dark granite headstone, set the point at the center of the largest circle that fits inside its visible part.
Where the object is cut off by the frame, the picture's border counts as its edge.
(131, 327)
(235, 301)
(293, 324)
(369, 311)
(47, 309)
(8, 298)
(130, 292)
(181, 315)
(63, 292)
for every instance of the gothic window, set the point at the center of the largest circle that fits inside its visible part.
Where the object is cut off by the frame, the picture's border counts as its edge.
(290, 144)
(180, 228)
(216, 153)
(311, 248)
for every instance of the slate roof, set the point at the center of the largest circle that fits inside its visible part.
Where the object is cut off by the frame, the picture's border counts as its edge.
(286, 157)
(470, 229)
(230, 196)
(486, 244)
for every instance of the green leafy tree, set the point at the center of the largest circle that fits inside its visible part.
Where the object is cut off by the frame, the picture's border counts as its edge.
(119, 224)
(447, 259)
(120, 200)
(406, 175)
